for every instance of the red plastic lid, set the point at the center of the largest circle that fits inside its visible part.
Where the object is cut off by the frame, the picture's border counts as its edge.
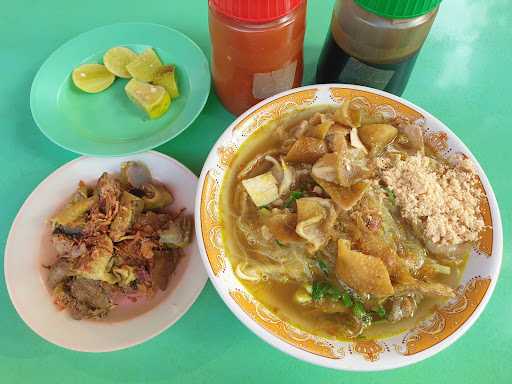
(254, 11)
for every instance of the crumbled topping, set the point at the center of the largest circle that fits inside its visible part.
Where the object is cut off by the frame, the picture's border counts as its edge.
(459, 160)
(441, 201)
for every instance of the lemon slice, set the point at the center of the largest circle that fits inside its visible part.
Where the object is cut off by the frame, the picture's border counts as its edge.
(116, 59)
(152, 99)
(144, 66)
(166, 77)
(92, 78)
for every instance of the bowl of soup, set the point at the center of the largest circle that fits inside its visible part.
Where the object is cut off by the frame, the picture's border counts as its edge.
(348, 227)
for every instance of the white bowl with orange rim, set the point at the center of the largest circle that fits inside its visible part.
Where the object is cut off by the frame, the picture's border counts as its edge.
(429, 336)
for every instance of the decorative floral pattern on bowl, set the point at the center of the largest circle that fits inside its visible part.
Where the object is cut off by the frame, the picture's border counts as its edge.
(430, 336)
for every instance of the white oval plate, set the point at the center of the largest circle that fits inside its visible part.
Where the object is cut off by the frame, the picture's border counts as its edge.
(27, 250)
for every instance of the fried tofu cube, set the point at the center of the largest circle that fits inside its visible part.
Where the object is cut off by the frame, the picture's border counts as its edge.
(262, 189)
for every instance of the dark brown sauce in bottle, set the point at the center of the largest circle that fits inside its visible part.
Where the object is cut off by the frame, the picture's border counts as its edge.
(364, 48)
(337, 66)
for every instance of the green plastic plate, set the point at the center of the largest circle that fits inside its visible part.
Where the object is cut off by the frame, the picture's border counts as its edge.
(108, 123)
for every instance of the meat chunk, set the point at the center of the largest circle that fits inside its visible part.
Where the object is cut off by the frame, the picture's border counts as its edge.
(84, 298)
(336, 138)
(352, 167)
(149, 223)
(59, 271)
(412, 139)
(91, 293)
(377, 136)
(164, 264)
(283, 173)
(315, 219)
(326, 168)
(355, 141)
(68, 246)
(402, 307)
(320, 130)
(344, 197)
(256, 166)
(306, 150)
(282, 226)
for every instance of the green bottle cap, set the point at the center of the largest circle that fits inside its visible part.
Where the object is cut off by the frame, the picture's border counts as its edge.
(398, 9)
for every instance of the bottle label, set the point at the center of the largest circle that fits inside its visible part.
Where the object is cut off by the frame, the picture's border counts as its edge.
(359, 73)
(270, 83)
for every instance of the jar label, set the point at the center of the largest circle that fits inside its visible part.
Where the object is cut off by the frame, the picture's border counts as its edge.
(359, 73)
(270, 83)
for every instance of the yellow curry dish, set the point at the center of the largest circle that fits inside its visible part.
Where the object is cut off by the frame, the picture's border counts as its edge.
(349, 225)
(115, 241)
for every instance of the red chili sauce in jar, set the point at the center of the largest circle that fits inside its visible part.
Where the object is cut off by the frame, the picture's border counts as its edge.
(257, 49)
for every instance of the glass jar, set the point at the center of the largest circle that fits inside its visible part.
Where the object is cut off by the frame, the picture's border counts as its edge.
(257, 49)
(375, 43)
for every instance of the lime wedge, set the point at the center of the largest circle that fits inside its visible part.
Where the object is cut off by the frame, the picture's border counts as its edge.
(152, 99)
(116, 59)
(144, 66)
(166, 77)
(92, 78)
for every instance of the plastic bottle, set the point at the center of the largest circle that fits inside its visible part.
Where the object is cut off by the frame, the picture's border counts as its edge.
(375, 42)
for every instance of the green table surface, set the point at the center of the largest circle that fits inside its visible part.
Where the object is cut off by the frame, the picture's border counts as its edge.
(462, 76)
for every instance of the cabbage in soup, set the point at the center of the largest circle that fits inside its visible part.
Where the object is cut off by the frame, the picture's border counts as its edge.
(346, 224)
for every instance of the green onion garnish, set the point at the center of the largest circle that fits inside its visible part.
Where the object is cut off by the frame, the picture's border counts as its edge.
(391, 195)
(281, 244)
(293, 196)
(360, 313)
(323, 266)
(325, 290)
(347, 300)
(381, 312)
